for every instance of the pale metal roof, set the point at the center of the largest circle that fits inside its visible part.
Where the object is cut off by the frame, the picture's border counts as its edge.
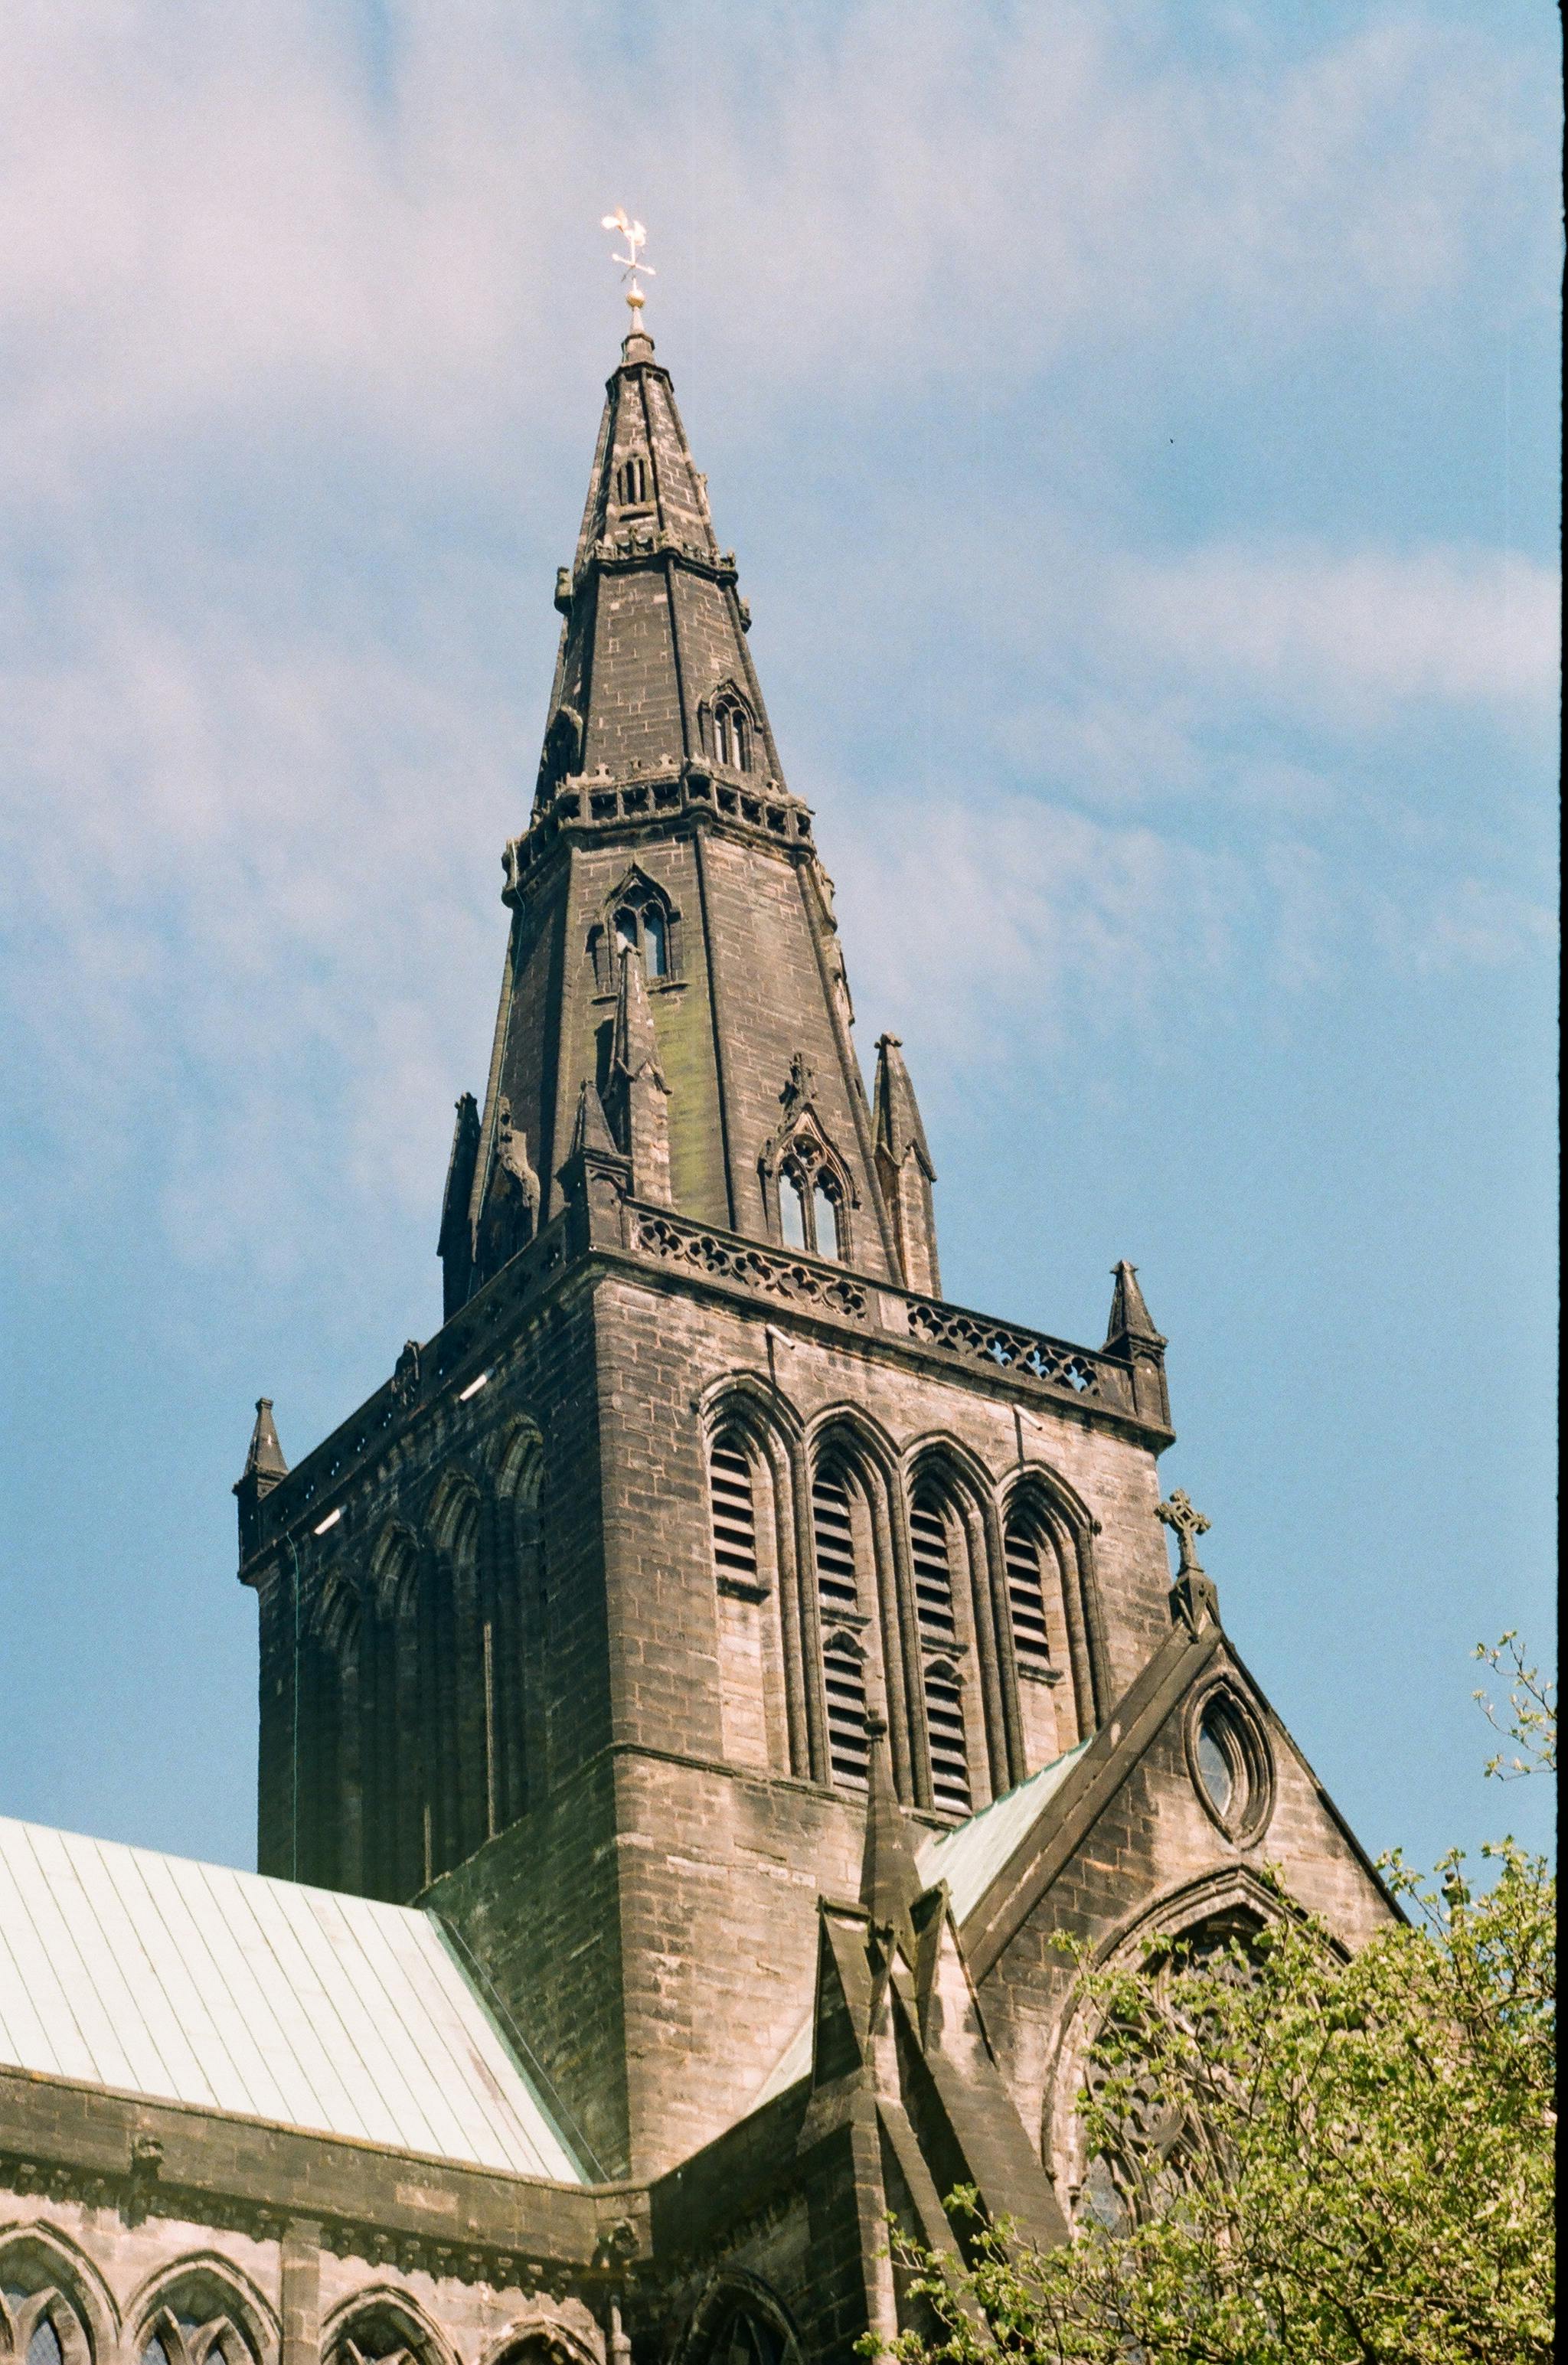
(968, 1858)
(193, 1983)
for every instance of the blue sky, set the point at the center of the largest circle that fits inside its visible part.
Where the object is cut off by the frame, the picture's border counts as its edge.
(1138, 427)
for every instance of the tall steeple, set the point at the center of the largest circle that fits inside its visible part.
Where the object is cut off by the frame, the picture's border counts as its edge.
(662, 826)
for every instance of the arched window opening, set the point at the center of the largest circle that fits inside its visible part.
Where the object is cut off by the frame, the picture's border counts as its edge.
(626, 930)
(824, 1211)
(655, 953)
(379, 2337)
(949, 1755)
(834, 1529)
(791, 1209)
(734, 1512)
(812, 1201)
(749, 2339)
(848, 1746)
(1026, 1593)
(933, 1570)
(195, 2325)
(732, 734)
(44, 2320)
(634, 482)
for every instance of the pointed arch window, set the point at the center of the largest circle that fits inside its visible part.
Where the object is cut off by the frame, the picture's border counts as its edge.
(949, 1749)
(734, 1509)
(43, 2319)
(812, 1202)
(1025, 1551)
(640, 918)
(632, 482)
(844, 1680)
(833, 1525)
(732, 732)
(933, 1569)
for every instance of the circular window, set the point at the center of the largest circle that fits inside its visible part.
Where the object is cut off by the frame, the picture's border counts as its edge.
(1231, 1767)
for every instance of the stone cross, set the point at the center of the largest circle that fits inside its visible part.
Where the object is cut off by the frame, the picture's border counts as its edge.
(1178, 1514)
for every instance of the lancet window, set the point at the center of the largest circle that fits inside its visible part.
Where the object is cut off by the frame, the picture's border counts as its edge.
(812, 1201)
(631, 481)
(944, 1728)
(640, 928)
(931, 1544)
(637, 918)
(734, 1510)
(40, 2323)
(840, 1531)
(1025, 1556)
(729, 731)
(197, 2329)
(844, 1680)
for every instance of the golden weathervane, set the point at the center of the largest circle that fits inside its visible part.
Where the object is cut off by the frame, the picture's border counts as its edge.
(637, 237)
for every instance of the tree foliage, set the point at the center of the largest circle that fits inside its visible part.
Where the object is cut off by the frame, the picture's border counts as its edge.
(1299, 2158)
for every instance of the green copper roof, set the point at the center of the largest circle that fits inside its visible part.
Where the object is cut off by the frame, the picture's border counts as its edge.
(192, 1983)
(970, 1857)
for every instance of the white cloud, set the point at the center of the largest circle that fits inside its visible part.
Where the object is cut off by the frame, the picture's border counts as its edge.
(221, 214)
(1318, 627)
(254, 799)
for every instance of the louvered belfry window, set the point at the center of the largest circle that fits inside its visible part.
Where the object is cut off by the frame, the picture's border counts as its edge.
(849, 1749)
(934, 1612)
(1026, 1593)
(835, 1530)
(949, 1757)
(932, 1572)
(734, 1509)
(844, 1670)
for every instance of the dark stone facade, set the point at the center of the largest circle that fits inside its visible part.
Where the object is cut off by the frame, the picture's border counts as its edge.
(585, 1629)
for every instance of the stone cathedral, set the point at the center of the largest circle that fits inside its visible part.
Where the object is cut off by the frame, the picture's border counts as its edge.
(698, 1691)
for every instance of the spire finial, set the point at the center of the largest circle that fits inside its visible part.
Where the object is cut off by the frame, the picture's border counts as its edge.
(637, 237)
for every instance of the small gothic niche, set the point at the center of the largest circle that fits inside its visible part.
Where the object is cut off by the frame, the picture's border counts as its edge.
(1230, 1763)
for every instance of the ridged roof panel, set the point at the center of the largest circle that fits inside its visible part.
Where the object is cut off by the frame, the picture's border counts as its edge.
(193, 1983)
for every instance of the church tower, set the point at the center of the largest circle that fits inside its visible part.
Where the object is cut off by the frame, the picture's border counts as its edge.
(579, 1629)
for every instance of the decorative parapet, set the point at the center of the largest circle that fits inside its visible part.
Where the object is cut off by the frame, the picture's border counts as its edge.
(665, 789)
(1083, 1374)
(720, 1256)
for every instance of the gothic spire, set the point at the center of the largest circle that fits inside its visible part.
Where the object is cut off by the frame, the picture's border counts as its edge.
(653, 670)
(662, 821)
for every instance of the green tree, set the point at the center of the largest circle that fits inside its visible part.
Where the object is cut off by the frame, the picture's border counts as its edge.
(1302, 2158)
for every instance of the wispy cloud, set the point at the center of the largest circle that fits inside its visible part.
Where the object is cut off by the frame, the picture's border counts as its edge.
(289, 329)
